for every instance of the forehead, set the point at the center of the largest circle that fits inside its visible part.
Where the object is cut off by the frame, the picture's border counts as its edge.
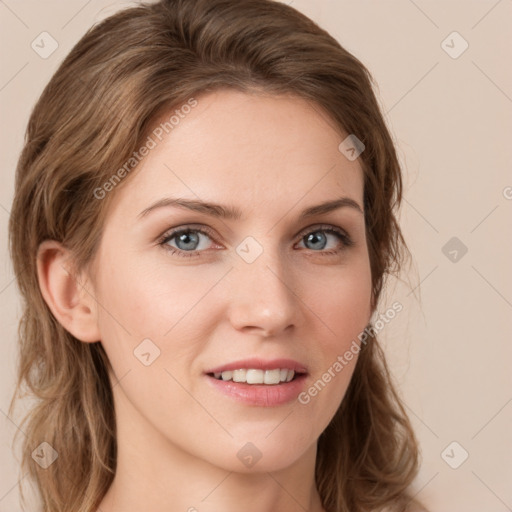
(246, 149)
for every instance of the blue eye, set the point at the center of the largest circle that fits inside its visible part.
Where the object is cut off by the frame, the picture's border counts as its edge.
(319, 242)
(187, 240)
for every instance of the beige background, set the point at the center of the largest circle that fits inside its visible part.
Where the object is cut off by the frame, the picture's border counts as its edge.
(451, 117)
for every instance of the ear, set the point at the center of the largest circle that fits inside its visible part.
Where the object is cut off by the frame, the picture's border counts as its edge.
(70, 299)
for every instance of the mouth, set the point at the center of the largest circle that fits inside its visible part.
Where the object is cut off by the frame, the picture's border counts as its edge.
(256, 382)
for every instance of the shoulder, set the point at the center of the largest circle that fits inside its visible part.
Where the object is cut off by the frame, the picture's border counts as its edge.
(411, 506)
(414, 506)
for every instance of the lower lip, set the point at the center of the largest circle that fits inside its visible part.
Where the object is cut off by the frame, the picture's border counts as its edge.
(263, 395)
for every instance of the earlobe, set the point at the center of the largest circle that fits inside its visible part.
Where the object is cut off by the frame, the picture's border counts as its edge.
(68, 297)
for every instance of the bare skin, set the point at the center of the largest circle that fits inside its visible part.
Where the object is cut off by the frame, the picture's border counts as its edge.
(179, 437)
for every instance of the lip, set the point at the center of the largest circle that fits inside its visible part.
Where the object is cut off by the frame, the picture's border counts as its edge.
(260, 364)
(262, 395)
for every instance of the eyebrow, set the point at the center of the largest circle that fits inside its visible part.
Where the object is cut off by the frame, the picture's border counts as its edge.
(233, 213)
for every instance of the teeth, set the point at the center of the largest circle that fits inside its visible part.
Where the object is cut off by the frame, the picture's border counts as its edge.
(272, 376)
(239, 375)
(253, 376)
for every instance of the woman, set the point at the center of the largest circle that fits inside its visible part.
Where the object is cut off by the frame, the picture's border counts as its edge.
(203, 221)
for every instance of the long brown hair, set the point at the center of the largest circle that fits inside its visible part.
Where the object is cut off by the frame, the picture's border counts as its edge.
(94, 113)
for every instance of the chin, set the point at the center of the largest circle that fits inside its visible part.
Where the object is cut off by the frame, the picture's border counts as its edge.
(262, 454)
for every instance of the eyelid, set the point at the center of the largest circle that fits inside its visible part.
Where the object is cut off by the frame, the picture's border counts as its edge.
(200, 228)
(321, 227)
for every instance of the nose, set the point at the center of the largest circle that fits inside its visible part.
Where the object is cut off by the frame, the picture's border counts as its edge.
(262, 296)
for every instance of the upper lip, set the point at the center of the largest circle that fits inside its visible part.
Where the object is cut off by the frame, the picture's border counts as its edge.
(260, 364)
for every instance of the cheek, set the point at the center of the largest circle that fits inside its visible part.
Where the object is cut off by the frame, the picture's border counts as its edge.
(148, 299)
(343, 305)
(343, 308)
(168, 306)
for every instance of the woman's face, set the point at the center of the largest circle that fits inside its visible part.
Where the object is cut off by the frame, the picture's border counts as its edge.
(266, 281)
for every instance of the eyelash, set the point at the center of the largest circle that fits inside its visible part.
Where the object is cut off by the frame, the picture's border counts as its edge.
(169, 235)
